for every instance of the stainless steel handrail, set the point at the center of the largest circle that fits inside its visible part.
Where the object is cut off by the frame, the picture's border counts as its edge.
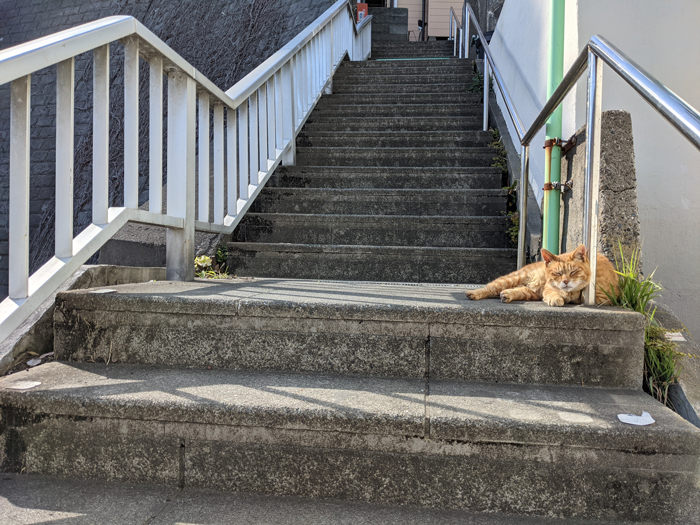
(490, 67)
(672, 108)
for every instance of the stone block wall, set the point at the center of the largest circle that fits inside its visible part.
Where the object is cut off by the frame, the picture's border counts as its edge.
(223, 39)
(389, 24)
(618, 214)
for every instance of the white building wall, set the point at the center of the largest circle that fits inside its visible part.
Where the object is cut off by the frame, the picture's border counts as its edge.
(663, 38)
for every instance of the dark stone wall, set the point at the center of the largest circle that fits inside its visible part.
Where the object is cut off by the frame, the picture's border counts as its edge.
(389, 24)
(224, 39)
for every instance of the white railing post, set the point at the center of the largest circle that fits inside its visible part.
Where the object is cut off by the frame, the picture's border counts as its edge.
(289, 107)
(279, 112)
(262, 131)
(244, 170)
(100, 135)
(487, 75)
(19, 187)
(203, 158)
(271, 122)
(155, 135)
(231, 163)
(131, 122)
(65, 120)
(330, 60)
(253, 139)
(218, 164)
(181, 176)
(591, 192)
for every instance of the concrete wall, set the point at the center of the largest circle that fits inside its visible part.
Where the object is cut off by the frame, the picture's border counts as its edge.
(664, 42)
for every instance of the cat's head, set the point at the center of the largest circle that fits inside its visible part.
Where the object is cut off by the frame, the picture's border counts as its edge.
(569, 272)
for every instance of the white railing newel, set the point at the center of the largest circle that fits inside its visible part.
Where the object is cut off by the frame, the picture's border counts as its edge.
(181, 176)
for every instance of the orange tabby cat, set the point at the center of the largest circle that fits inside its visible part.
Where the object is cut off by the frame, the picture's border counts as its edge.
(557, 280)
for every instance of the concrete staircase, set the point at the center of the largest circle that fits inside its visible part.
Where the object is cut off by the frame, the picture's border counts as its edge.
(382, 392)
(393, 182)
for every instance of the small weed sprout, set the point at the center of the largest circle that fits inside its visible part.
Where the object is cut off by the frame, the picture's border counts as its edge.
(203, 269)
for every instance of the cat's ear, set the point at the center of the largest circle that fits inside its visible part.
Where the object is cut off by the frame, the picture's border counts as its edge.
(580, 253)
(548, 257)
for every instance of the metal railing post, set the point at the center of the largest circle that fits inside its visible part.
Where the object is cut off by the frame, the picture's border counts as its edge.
(289, 108)
(65, 110)
(592, 180)
(179, 254)
(522, 203)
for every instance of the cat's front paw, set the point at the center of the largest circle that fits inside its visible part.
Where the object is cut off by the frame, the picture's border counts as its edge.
(476, 295)
(506, 296)
(554, 300)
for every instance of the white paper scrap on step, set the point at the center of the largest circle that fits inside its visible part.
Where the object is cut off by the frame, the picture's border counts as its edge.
(24, 385)
(641, 421)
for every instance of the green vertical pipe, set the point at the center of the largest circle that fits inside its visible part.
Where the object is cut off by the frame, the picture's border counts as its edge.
(555, 73)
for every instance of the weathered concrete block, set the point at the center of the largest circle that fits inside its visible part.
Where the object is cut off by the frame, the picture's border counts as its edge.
(350, 328)
(618, 214)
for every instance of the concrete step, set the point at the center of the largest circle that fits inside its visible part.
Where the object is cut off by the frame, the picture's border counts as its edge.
(401, 63)
(371, 329)
(428, 44)
(354, 201)
(370, 263)
(374, 87)
(464, 79)
(399, 110)
(320, 123)
(394, 139)
(399, 98)
(408, 157)
(28, 500)
(481, 447)
(385, 177)
(437, 54)
(428, 67)
(374, 230)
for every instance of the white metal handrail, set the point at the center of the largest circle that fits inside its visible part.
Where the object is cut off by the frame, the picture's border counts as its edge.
(255, 124)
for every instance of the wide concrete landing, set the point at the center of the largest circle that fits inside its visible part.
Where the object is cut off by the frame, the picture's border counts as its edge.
(377, 329)
(26, 500)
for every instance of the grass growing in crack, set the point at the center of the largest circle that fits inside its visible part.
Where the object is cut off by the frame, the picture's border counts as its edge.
(662, 360)
(500, 161)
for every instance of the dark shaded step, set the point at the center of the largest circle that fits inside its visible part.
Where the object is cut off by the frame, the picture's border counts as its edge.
(394, 139)
(373, 230)
(320, 123)
(400, 98)
(385, 177)
(370, 263)
(381, 201)
(437, 54)
(464, 79)
(432, 68)
(398, 110)
(460, 87)
(409, 157)
(389, 64)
